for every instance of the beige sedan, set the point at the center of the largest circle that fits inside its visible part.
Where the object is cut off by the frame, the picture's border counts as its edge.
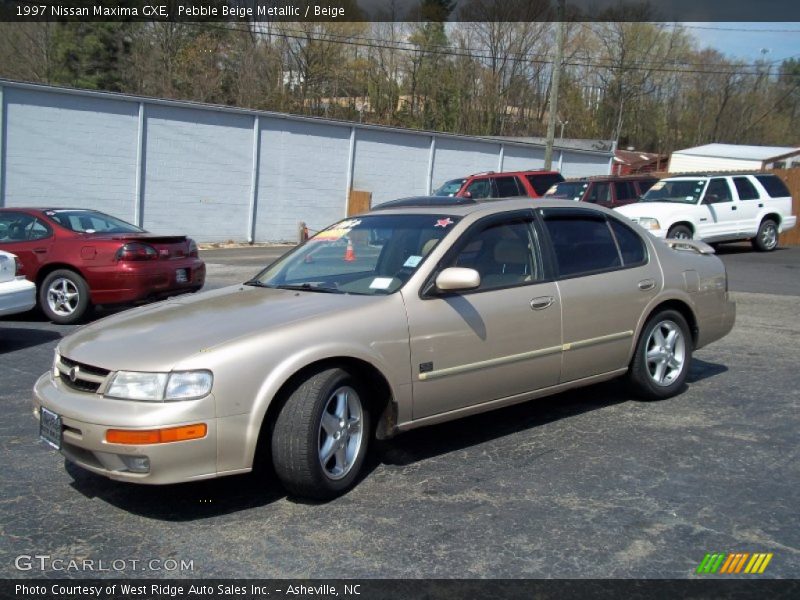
(421, 311)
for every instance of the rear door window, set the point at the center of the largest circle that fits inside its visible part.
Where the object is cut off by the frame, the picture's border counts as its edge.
(22, 227)
(631, 246)
(600, 193)
(624, 191)
(542, 183)
(480, 188)
(582, 243)
(645, 184)
(774, 186)
(745, 189)
(507, 187)
(720, 189)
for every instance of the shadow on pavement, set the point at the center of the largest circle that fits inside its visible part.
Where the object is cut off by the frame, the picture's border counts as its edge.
(19, 338)
(427, 442)
(215, 497)
(180, 502)
(701, 369)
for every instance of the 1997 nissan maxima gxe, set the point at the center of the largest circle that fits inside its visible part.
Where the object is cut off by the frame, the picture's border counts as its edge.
(420, 311)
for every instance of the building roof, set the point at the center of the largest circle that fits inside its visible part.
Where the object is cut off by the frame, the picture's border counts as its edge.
(591, 148)
(632, 157)
(738, 151)
(561, 143)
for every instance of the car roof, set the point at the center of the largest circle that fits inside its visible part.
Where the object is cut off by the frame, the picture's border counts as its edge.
(439, 205)
(505, 173)
(719, 174)
(39, 209)
(610, 178)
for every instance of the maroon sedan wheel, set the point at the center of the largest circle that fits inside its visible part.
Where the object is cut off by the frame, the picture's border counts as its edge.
(64, 296)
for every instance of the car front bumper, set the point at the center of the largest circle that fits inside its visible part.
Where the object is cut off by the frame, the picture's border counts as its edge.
(86, 417)
(16, 296)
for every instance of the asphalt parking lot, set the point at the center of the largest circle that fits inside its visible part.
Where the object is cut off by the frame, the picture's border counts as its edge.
(590, 483)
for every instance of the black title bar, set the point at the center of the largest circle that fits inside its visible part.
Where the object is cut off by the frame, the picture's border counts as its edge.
(381, 589)
(399, 10)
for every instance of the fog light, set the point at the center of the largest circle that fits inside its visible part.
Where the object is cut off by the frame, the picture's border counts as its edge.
(136, 464)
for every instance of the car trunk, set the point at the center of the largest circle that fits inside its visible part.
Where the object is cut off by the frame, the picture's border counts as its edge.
(169, 247)
(8, 268)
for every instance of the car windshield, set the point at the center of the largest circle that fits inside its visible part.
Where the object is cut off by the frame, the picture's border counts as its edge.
(449, 188)
(568, 189)
(684, 191)
(370, 255)
(89, 221)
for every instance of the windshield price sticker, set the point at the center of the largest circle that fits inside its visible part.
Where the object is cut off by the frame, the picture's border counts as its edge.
(412, 261)
(381, 283)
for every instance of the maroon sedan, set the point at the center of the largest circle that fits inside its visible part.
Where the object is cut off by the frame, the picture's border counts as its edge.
(81, 258)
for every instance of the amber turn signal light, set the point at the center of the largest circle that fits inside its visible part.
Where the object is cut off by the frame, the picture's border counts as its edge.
(156, 436)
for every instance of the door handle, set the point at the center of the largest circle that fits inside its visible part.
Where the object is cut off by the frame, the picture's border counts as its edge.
(541, 303)
(40, 250)
(734, 207)
(760, 206)
(647, 284)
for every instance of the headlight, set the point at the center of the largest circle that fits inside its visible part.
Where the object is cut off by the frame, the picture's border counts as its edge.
(189, 384)
(158, 387)
(649, 223)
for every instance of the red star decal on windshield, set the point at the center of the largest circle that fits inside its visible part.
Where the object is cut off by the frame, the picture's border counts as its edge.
(444, 222)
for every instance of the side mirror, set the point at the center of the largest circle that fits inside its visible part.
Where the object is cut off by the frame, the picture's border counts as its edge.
(456, 279)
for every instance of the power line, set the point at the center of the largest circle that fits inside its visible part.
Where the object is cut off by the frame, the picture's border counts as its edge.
(470, 53)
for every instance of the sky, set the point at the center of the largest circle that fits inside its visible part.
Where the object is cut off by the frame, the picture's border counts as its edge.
(746, 40)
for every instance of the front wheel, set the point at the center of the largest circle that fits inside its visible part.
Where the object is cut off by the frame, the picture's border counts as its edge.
(679, 232)
(64, 297)
(766, 239)
(663, 354)
(321, 436)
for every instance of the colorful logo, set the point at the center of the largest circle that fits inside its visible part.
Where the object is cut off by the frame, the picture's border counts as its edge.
(734, 563)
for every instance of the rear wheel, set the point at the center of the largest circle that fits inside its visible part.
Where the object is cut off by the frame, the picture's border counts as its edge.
(64, 297)
(321, 436)
(680, 232)
(766, 239)
(663, 354)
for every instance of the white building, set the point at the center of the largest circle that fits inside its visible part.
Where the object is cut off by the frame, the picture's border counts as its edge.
(733, 157)
(220, 173)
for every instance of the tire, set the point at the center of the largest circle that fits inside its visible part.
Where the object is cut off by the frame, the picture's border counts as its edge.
(64, 297)
(680, 232)
(325, 417)
(659, 368)
(766, 239)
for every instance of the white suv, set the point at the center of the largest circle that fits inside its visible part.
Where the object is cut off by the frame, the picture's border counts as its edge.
(717, 208)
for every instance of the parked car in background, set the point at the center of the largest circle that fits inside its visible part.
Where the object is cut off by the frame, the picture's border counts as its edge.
(608, 191)
(79, 258)
(455, 308)
(17, 294)
(720, 207)
(508, 184)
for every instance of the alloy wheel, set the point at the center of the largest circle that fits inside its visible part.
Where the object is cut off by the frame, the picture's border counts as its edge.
(340, 432)
(665, 353)
(63, 296)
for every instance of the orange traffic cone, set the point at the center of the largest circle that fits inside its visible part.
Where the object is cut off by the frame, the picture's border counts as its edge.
(349, 255)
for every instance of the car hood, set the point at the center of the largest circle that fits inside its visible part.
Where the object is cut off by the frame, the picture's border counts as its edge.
(156, 337)
(651, 209)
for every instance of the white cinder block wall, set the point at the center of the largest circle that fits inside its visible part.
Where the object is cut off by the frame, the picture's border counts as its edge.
(218, 173)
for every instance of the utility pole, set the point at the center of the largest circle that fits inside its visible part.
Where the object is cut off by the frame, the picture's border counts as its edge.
(553, 107)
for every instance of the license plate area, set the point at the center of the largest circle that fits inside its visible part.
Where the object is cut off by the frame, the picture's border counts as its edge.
(50, 428)
(181, 276)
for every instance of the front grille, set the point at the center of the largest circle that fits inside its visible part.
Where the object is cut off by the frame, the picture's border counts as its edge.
(80, 376)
